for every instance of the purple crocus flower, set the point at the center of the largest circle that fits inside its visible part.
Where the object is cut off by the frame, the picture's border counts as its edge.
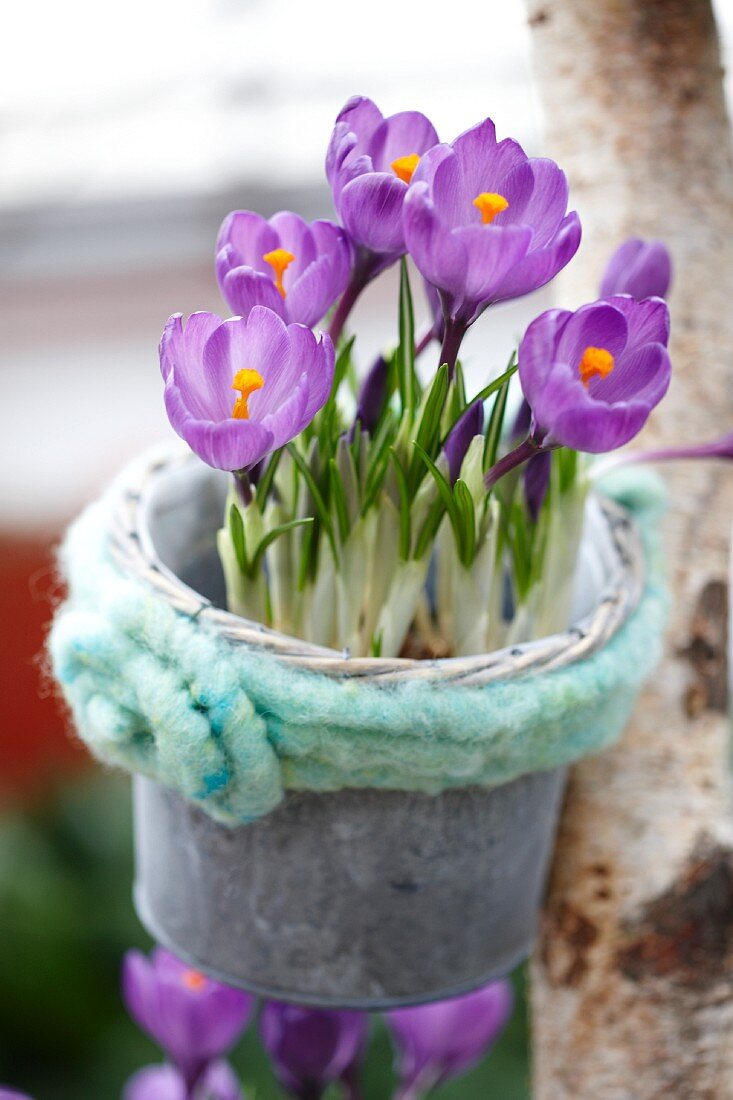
(217, 1082)
(592, 377)
(469, 424)
(438, 1041)
(194, 1018)
(369, 165)
(309, 1047)
(12, 1094)
(281, 373)
(296, 269)
(640, 268)
(484, 222)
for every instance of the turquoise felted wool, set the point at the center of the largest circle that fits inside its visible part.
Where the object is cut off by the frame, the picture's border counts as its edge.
(231, 727)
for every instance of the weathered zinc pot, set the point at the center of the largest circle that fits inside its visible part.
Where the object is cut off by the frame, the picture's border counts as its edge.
(354, 832)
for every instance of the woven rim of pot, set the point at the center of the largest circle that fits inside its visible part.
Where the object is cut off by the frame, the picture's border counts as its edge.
(132, 549)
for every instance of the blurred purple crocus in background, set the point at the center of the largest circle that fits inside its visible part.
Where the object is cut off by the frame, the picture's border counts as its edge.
(281, 373)
(296, 269)
(310, 1048)
(484, 222)
(369, 165)
(12, 1094)
(217, 1082)
(436, 1042)
(470, 424)
(372, 395)
(194, 1018)
(640, 268)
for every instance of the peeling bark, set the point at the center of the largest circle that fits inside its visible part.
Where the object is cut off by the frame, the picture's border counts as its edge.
(633, 978)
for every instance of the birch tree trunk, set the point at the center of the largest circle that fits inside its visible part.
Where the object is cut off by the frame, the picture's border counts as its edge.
(633, 978)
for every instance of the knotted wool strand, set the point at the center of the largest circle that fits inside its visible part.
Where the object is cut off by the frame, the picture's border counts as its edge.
(232, 727)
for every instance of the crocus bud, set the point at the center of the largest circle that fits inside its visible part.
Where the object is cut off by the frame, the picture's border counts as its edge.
(642, 269)
(536, 482)
(372, 395)
(218, 1082)
(466, 427)
(438, 1041)
(311, 1048)
(194, 1018)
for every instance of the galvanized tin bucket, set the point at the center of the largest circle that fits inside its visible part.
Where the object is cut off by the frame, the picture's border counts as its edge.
(357, 898)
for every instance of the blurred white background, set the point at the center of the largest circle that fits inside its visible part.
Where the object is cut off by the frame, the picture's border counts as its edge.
(126, 134)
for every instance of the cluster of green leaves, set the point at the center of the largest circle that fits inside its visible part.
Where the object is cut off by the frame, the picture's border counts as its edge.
(344, 470)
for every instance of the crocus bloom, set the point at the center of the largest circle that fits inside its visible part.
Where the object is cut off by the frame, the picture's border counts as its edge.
(296, 269)
(459, 439)
(447, 1038)
(237, 390)
(484, 222)
(310, 1048)
(592, 377)
(217, 1082)
(642, 269)
(194, 1018)
(369, 164)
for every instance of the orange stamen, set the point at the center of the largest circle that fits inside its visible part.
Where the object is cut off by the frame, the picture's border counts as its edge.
(405, 166)
(246, 381)
(595, 363)
(279, 260)
(490, 204)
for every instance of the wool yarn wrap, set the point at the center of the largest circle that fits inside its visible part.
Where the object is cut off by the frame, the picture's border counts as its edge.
(155, 690)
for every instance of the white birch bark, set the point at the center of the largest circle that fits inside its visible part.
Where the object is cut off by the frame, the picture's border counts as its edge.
(633, 977)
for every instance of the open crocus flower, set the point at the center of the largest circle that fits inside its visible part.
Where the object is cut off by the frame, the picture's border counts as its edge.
(484, 222)
(217, 1082)
(369, 164)
(296, 269)
(194, 1018)
(592, 377)
(642, 269)
(310, 1048)
(237, 390)
(438, 1041)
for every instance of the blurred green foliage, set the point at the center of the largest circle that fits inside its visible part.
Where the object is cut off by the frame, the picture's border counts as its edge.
(66, 918)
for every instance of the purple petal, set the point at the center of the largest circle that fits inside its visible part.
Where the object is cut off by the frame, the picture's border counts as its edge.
(12, 1094)
(243, 289)
(290, 416)
(362, 117)
(250, 236)
(225, 444)
(484, 162)
(314, 355)
(547, 204)
(537, 353)
(642, 373)
(185, 344)
(372, 395)
(540, 266)
(398, 136)
(442, 1040)
(156, 1083)
(310, 298)
(439, 256)
(598, 325)
(260, 342)
(648, 320)
(371, 210)
(492, 252)
(310, 1048)
(588, 425)
(470, 424)
(639, 268)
